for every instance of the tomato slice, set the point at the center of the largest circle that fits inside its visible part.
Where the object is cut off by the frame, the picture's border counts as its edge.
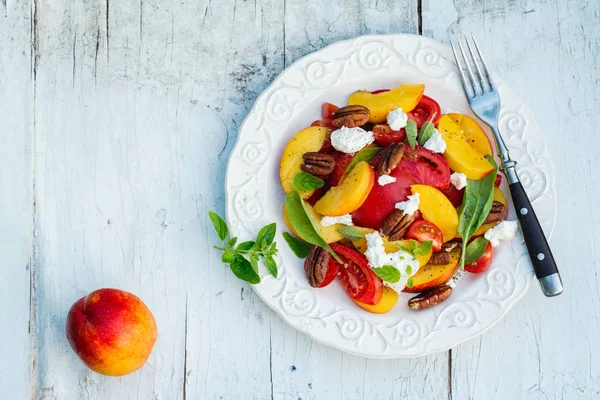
(426, 167)
(483, 262)
(423, 231)
(332, 272)
(384, 135)
(498, 180)
(326, 122)
(327, 110)
(357, 278)
(380, 91)
(454, 195)
(424, 110)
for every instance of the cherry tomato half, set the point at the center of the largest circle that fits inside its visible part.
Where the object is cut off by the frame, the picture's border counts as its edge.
(424, 110)
(423, 231)
(483, 262)
(327, 110)
(384, 135)
(359, 281)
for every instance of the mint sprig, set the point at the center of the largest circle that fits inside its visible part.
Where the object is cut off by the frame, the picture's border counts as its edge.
(388, 273)
(417, 248)
(243, 258)
(411, 132)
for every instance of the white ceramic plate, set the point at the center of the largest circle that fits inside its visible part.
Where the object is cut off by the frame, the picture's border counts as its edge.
(255, 197)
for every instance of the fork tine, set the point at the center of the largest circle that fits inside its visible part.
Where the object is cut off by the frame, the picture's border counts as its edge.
(485, 67)
(479, 74)
(471, 77)
(466, 86)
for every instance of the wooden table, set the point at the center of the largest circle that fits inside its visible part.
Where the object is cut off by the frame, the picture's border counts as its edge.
(117, 121)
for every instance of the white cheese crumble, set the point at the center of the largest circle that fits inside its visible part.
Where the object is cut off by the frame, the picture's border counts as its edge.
(397, 119)
(505, 230)
(351, 140)
(385, 180)
(411, 205)
(459, 180)
(436, 143)
(342, 219)
(403, 261)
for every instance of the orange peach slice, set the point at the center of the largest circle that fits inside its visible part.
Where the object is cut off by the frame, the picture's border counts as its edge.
(460, 155)
(437, 209)
(350, 194)
(405, 97)
(472, 133)
(431, 276)
(307, 140)
(328, 233)
(387, 302)
(390, 247)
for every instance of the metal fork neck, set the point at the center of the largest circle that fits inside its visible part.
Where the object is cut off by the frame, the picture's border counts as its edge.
(507, 165)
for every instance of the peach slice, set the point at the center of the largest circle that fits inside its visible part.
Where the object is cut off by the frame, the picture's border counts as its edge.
(328, 233)
(437, 209)
(390, 247)
(350, 194)
(431, 276)
(387, 302)
(472, 133)
(404, 96)
(307, 140)
(460, 155)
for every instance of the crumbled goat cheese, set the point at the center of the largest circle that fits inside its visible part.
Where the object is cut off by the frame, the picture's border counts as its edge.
(411, 205)
(351, 140)
(342, 219)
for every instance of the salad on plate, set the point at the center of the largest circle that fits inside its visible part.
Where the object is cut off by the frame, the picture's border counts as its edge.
(389, 195)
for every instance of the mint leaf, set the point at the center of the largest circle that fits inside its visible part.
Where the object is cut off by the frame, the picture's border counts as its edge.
(245, 247)
(475, 250)
(227, 257)
(366, 154)
(422, 248)
(244, 271)
(351, 233)
(266, 234)
(298, 246)
(409, 270)
(411, 132)
(426, 132)
(409, 251)
(254, 261)
(231, 242)
(409, 283)
(388, 273)
(305, 181)
(220, 225)
(271, 265)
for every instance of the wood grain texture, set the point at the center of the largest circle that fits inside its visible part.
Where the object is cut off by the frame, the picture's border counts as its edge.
(15, 202)
(549, 52)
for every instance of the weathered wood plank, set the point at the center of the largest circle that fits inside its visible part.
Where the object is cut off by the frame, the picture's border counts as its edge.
(548, 51)
(15, 202)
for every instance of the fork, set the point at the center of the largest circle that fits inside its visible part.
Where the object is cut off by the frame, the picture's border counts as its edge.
(485, 102)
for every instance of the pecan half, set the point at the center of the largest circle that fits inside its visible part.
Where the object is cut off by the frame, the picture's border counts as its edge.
(440, 258)
(351, 116)
(396, 224)
(430, 298)
(316, 266)
(317, 163)
(390, 157)
(498, 213)
(449, 246)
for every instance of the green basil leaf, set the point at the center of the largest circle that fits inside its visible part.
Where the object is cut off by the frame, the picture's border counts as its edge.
(304, 225)
(298, 246)
(245, 247)
(406, 250)
(422, 248)
(305, 181)
(366, 154)
(244, 271)
(411, 132)
(426, 132)
(227, 257)
(350, 233)
(266, 234)
(231, 242)
(220, 225)
(409, 283)
(475, 250)
(271, 265)
(409, 270)
(388, 273)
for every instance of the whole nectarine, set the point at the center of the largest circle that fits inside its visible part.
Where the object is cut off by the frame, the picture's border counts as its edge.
(112, 331)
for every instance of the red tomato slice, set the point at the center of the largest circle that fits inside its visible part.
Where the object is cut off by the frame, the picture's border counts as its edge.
(426, 167)
(327, 110)
(331, 274)
(483, 262)
(384, 135)
(423, 231)
(359, 281)
(424, 110)
(380, 91)
(498, 180)
(326, 122)
(454, 195)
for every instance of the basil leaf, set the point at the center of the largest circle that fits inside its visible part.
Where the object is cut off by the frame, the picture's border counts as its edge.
(409, 283)
(423, 248)
(409, 270)
(367, 154)
(426, 132)
(271, 265)
(477, 203)
(298, 246)
(305, 181)
(350, 233)
(304, 225)
(404, 249)
(245, 247)
(388, 273)
(244, 271)
(266, 234)
(411, 132)
(475, 250)
(220, 225)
